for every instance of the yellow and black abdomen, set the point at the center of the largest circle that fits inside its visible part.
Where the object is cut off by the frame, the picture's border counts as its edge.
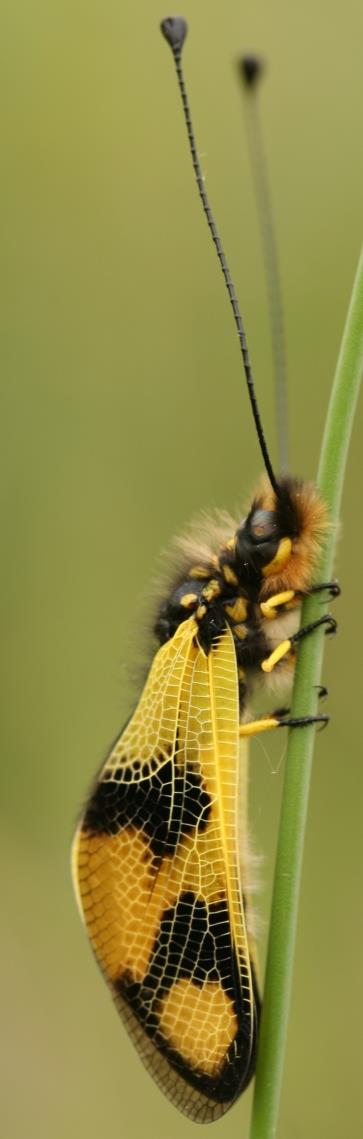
(159, 878)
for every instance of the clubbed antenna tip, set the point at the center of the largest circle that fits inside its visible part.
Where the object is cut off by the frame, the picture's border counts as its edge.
(175, 30)
(251, 68)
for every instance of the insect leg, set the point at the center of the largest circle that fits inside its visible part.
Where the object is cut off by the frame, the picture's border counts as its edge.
(333, 588)
(279, 721)
(282, 649)
(322, 691)
(302, 721)
(255, 726)
(289, 596)
(283, 713)
(269, 607)
(326, 619)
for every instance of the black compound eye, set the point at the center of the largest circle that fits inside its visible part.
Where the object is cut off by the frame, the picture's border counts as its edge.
(263, 526)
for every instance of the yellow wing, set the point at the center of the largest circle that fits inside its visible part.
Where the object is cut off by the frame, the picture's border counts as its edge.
(158, 878)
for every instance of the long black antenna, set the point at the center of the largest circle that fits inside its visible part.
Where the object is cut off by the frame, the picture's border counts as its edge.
(251, 69)
(175, 28)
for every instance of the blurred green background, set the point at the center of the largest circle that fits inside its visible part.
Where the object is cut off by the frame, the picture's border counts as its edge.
(123, 412)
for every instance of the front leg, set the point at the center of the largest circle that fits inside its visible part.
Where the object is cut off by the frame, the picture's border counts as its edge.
(290, 597)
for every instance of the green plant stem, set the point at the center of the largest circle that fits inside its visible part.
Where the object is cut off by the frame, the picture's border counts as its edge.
(301, 741)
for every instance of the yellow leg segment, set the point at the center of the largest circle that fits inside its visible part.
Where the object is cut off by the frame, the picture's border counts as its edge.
(269, 607)
(256, 726)
(278, 653)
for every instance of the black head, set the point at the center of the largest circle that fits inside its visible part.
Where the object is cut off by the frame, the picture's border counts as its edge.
(264, 540)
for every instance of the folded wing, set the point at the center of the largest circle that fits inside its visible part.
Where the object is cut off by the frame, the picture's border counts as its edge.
(159, 881)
